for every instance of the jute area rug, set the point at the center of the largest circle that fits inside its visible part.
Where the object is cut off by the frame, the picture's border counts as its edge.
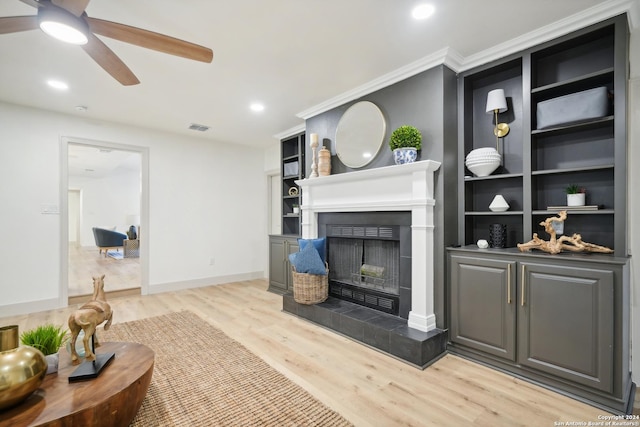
(202, 377)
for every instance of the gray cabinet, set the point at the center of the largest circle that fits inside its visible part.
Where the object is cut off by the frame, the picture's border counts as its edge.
(483, 315)
(561, 321)
(280, 279)
(566, 322)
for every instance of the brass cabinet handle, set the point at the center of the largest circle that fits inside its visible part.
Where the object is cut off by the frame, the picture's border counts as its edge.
(508, 283)
(522, 288)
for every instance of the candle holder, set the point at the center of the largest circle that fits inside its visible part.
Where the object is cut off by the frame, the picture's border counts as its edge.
(314, 155)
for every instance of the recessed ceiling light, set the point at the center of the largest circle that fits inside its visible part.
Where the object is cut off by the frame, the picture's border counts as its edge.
(423, 11)
(57, 84)
(257, 107)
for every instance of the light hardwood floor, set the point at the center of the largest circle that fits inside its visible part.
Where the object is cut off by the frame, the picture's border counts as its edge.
(367, 387)
(86, 262)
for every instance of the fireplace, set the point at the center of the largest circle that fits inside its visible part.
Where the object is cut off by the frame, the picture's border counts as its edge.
(369, 254)
(405, 188)
(379, 224)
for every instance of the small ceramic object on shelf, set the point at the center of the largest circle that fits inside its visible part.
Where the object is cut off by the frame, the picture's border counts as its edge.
(499, 204)
(483, 161)
(498, 235)
(577, 199)
(483, 244)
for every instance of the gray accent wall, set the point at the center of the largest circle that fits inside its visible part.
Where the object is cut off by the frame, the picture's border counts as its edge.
(427, 101)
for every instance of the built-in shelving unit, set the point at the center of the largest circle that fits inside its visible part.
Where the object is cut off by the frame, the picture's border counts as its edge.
(292, 156)
(523, 312)
(538, 164)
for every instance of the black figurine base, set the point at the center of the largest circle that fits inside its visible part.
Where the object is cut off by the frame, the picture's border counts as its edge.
(89, 370)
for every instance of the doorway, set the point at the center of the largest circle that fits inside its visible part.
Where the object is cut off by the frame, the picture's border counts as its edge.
(105, 185)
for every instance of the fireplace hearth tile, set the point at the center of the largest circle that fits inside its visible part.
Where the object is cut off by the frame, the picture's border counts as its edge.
(376, 329)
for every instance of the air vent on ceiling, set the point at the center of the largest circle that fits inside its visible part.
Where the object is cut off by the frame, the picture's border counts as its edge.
(199, 128)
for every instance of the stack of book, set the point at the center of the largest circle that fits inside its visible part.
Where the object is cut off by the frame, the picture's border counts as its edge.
(574, 208)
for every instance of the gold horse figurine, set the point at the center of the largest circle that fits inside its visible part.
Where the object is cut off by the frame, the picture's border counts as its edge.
(87, 318)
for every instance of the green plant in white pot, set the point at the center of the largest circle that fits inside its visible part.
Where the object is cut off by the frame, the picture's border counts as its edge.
(405, 142)
(576, 196)
(48, 339)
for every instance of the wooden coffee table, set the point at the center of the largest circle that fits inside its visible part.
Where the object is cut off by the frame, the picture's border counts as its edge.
(112, 399)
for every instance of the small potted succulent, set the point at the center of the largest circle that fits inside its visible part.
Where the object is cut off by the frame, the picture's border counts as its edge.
(48, 339)
(296, 209)
(405, 142)
(575, 195)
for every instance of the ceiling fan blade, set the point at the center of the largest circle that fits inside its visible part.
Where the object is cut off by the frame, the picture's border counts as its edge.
(109, 61)
(15, 24)
(76, 7)
(150, 40)
(34, 3)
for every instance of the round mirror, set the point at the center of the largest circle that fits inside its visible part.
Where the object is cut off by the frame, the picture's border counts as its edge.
(360, 134)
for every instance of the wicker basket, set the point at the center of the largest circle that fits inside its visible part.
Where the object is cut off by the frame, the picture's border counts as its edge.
(310, 288)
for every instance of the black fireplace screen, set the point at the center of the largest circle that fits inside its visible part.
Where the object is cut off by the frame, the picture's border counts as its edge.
(371, 264)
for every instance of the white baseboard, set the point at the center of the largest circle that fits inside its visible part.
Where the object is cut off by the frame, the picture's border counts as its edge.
(29, 307)
(207, 281)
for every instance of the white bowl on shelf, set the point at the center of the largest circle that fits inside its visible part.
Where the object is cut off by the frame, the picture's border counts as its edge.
(483, 161)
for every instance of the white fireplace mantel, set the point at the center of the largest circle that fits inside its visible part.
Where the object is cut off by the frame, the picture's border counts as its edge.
(408, 187)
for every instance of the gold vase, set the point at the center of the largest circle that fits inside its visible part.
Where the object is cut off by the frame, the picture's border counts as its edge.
(22, 368)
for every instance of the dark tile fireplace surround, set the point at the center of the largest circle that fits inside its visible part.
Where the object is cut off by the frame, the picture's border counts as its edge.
(372, 311)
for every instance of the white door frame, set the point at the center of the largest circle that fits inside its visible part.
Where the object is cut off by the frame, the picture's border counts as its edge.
(63, 291)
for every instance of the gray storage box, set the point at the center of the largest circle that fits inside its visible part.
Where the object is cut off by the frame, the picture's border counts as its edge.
(585, 105)
(291, 169)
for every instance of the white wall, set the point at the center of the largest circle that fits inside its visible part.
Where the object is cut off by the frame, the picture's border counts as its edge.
(106, 202)
(207, 201)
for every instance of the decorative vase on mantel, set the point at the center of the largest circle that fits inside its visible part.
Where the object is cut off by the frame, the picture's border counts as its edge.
(22, 368)
(324, 162)
(405, 155)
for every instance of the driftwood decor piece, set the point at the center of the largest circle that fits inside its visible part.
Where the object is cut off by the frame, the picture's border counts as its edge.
(564, 243)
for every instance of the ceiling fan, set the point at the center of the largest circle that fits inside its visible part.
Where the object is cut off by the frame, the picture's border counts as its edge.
(68, 21)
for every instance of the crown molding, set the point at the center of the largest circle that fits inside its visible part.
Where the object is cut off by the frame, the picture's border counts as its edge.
(290, 132)
(458, 63)
(583, 19)
(443, 56)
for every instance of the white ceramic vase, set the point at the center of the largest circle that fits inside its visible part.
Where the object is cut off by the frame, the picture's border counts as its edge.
(499, 204)
(483, 161)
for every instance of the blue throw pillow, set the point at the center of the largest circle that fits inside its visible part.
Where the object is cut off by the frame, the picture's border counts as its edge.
(292, 258)
(320, 245)
(308, 261)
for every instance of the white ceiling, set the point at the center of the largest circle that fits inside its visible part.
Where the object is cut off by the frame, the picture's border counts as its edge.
(292, 55)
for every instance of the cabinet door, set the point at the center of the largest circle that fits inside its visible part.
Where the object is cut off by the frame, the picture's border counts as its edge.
(277, 265)
(483, 305)
(566, 323)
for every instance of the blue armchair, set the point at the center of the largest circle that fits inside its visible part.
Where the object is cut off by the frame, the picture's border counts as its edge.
(108, 239)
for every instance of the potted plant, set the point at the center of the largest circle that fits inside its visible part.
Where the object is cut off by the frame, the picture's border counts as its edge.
(405, 142)
(296, 209)
(48, 339)
(575, 195)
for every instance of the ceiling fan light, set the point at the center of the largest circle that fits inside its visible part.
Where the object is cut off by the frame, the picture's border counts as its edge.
(62, 25)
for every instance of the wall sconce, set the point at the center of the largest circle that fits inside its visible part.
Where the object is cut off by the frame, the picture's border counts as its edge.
(497, 103)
